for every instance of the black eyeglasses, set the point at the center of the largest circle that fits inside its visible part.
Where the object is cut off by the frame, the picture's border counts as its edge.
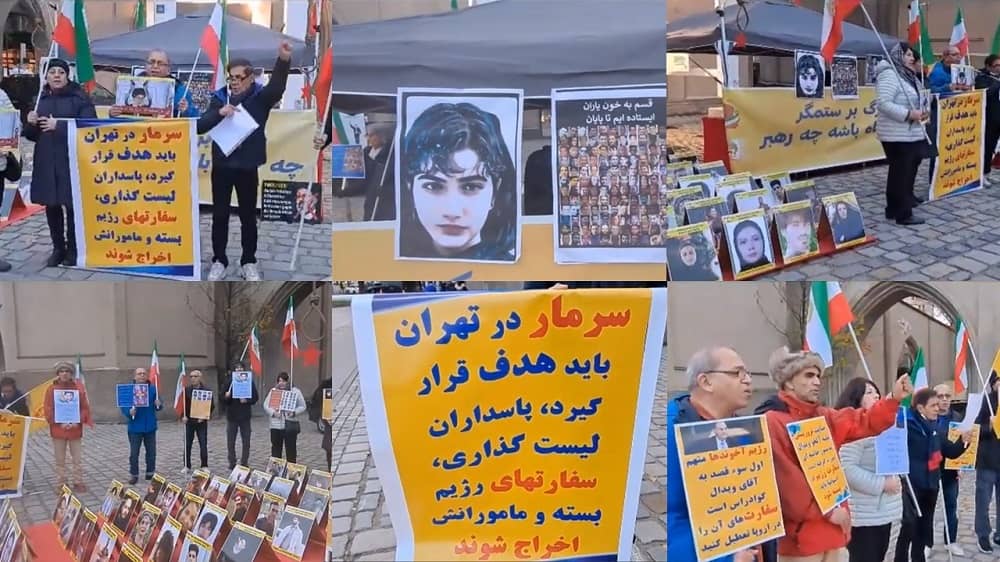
(233, 79)
(738, 373)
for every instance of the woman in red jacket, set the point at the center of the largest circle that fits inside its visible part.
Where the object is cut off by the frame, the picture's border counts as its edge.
(811, 534)
(67, 434)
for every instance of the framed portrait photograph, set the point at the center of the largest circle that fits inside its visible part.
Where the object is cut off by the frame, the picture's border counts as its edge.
(707, 183)
(458, 175)
(805, 191)
(749, 243)
(796, 231)
(776, 183)
(732, 185)
(691, 254)
(846, 220)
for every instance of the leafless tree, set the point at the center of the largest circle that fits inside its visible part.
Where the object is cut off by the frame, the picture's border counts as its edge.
(231, 317)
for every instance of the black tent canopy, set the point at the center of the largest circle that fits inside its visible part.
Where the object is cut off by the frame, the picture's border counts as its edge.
(181, 38)
(535, 45)
(773, 27)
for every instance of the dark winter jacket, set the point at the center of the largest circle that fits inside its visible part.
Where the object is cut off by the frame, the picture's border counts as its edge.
(944, 426)
(990, 83)
(988, 456)
(145, 416)
(187, 405)
(20, 405)
(50, 181)
(237, 410)
(927, 448)
(258, 102)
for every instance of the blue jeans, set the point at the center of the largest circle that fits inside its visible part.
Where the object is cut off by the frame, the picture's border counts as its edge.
(136, 440)
(949, 488)
(987, 488)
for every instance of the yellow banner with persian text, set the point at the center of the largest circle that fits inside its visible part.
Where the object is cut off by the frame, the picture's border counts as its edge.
(135, 187)
(290, 152)
(960, 143)
(496, 431)
(14, 432)
(769, 130)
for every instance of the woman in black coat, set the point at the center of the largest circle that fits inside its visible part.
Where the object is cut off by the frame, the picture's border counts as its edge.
(60, 100)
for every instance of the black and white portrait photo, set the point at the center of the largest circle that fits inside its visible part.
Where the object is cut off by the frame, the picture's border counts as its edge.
(810, 75)
(844, 78)
(458, 175)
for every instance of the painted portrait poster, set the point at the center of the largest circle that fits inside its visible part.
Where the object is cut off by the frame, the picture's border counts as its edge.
(608, 174)
(458, 175)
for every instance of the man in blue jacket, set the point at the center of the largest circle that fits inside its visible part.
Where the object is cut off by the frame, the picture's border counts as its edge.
(158, 66)
(142, 429)
(239, 169)
(939, 82)
(719, 385)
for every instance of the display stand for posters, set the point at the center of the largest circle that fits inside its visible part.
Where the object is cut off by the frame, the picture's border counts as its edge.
(16, 210)
(824, 235)
(43, 539)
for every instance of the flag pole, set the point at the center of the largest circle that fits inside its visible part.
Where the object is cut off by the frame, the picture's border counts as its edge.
(979, 371)
(52, 50)
(857, 345)
(187, 85)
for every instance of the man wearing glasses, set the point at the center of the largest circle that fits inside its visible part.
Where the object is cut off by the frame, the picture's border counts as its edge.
(239, 169)
(719, 386)
(949, 478)
(158, 66)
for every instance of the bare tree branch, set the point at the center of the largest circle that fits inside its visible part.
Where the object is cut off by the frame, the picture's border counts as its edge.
(767, 318)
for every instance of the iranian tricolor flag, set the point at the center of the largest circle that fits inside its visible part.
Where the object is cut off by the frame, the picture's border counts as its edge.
(835, 12)
(914, 23)
(926, 49)
(289, 339)
(79, 372)
(154, 370)
(959, 36)
(324, 82)
(961, 352)
(214, 46)
(918, 374)
(71, 34)
(829, 313)
(254, 348)
(179, 389)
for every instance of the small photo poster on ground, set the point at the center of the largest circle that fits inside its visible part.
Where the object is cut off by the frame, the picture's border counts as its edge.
(195, 549)
(776, 183)
(707, 183)
(239, 503)
(846, 220)
(242, 544)
(292, 532)
(458, 175)
(844, 78)
(731, 186)
(320, 479)
(691, 254)
(201, 404)
(805, 191)
(716, 169)
(243, 383)
(796, 231)
(749, 244)
(106, 547)
(756, 199)
(608, 164)
(291, 202)
(315, 499)
(67, 406)
(678, 170)
(730, 454)
(144, 96)
(210, 522)
(347, 161)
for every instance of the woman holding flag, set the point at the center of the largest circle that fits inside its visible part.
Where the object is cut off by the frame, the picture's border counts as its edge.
(142, 427)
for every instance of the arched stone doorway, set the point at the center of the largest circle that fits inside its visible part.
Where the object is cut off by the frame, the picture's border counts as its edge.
(872, 305)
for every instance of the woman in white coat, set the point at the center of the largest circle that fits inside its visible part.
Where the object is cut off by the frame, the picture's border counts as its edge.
(876, 501)
(899, 126)
(285, 427)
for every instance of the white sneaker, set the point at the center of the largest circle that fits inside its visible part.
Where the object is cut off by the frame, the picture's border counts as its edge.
(986, 181)
(927, 552)
(250, 272)
(956, 549)
(185, 471)
(217, 272)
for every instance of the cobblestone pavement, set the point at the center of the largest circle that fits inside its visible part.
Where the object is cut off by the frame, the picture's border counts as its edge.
(955, 244)
(105, 457)
(363, 532)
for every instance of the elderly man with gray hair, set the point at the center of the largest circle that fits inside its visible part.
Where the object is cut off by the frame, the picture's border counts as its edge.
(379, 182)
(718, 387)
(811, 536)
(158, 66)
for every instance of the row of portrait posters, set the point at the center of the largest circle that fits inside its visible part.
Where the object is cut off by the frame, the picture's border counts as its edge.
(492, 441)
(608, 168)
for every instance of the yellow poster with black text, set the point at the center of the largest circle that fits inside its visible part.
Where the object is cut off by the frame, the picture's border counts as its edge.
(730, 484)
(769, 130)
(135, 196)
(516, 428)
(13, 452)
(813, 444)
(967, 461)
(290, 153)
(960, 143)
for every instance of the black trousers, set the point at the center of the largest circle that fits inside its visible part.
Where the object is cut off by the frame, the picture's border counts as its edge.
(916, 533)
(904, 159)
(289, 440)
(190, 431)
(243, 427)
(992, 137)
(245, 182)
(869, 543)
(62, 228)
